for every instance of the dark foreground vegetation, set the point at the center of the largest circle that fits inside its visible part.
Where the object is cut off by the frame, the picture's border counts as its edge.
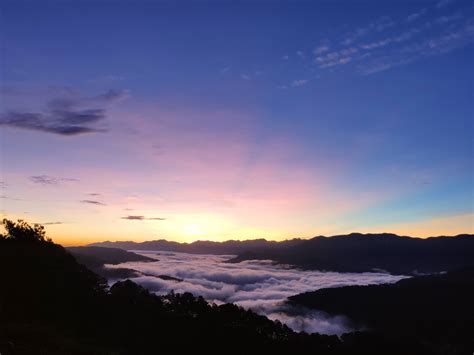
(51, 304)
(344, 253)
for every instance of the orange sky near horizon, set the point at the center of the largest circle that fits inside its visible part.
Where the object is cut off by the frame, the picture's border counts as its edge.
(75, 235)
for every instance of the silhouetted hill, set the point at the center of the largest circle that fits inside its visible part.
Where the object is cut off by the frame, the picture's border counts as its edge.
(102, 256)
(438, 309)
(345, 253)
(94, 258)
(368, 252)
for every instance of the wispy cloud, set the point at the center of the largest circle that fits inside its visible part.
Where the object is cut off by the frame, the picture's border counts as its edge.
(108, 78)
(448, 18)
(299, 83)
(49, 180)
(434, 46)
(5, 197)
(403, 44)
(301, 54)
(66, 116)
(443, 3)
(110, 96)
(397, 38)
(341, 57)
(321, 49)
(93, 202)
(294, 84)
(143, 218)
(416, 15)
(379, 25)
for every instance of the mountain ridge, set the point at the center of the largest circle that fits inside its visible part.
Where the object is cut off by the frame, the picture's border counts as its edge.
(117, 243)
(355, 252)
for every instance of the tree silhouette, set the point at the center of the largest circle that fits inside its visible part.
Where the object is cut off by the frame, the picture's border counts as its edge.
(22, 231)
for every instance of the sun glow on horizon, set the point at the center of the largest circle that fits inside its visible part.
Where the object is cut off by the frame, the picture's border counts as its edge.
(194, 230)
(214, 229)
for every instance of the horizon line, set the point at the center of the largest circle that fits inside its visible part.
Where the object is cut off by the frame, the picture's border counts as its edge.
(270, 240)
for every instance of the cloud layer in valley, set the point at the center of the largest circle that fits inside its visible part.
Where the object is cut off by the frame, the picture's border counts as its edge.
(258, 285)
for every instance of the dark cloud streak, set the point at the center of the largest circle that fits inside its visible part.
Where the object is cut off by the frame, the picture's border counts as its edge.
(143, 218)
(69, 116)
(49, 180)
(63, 123)
(93, 202)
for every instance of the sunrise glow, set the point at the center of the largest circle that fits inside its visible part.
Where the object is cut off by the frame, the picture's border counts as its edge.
(326, 131)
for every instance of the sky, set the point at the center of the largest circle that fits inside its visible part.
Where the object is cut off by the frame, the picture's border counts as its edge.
(187, 120)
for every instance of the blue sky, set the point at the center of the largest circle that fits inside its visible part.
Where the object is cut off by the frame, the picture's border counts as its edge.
(237, 119)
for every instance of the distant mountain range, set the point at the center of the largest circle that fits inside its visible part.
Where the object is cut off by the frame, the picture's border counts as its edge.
(344, 253)
(229, 247)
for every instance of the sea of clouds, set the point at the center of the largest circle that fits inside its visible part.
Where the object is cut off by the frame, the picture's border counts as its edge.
(259, 285)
